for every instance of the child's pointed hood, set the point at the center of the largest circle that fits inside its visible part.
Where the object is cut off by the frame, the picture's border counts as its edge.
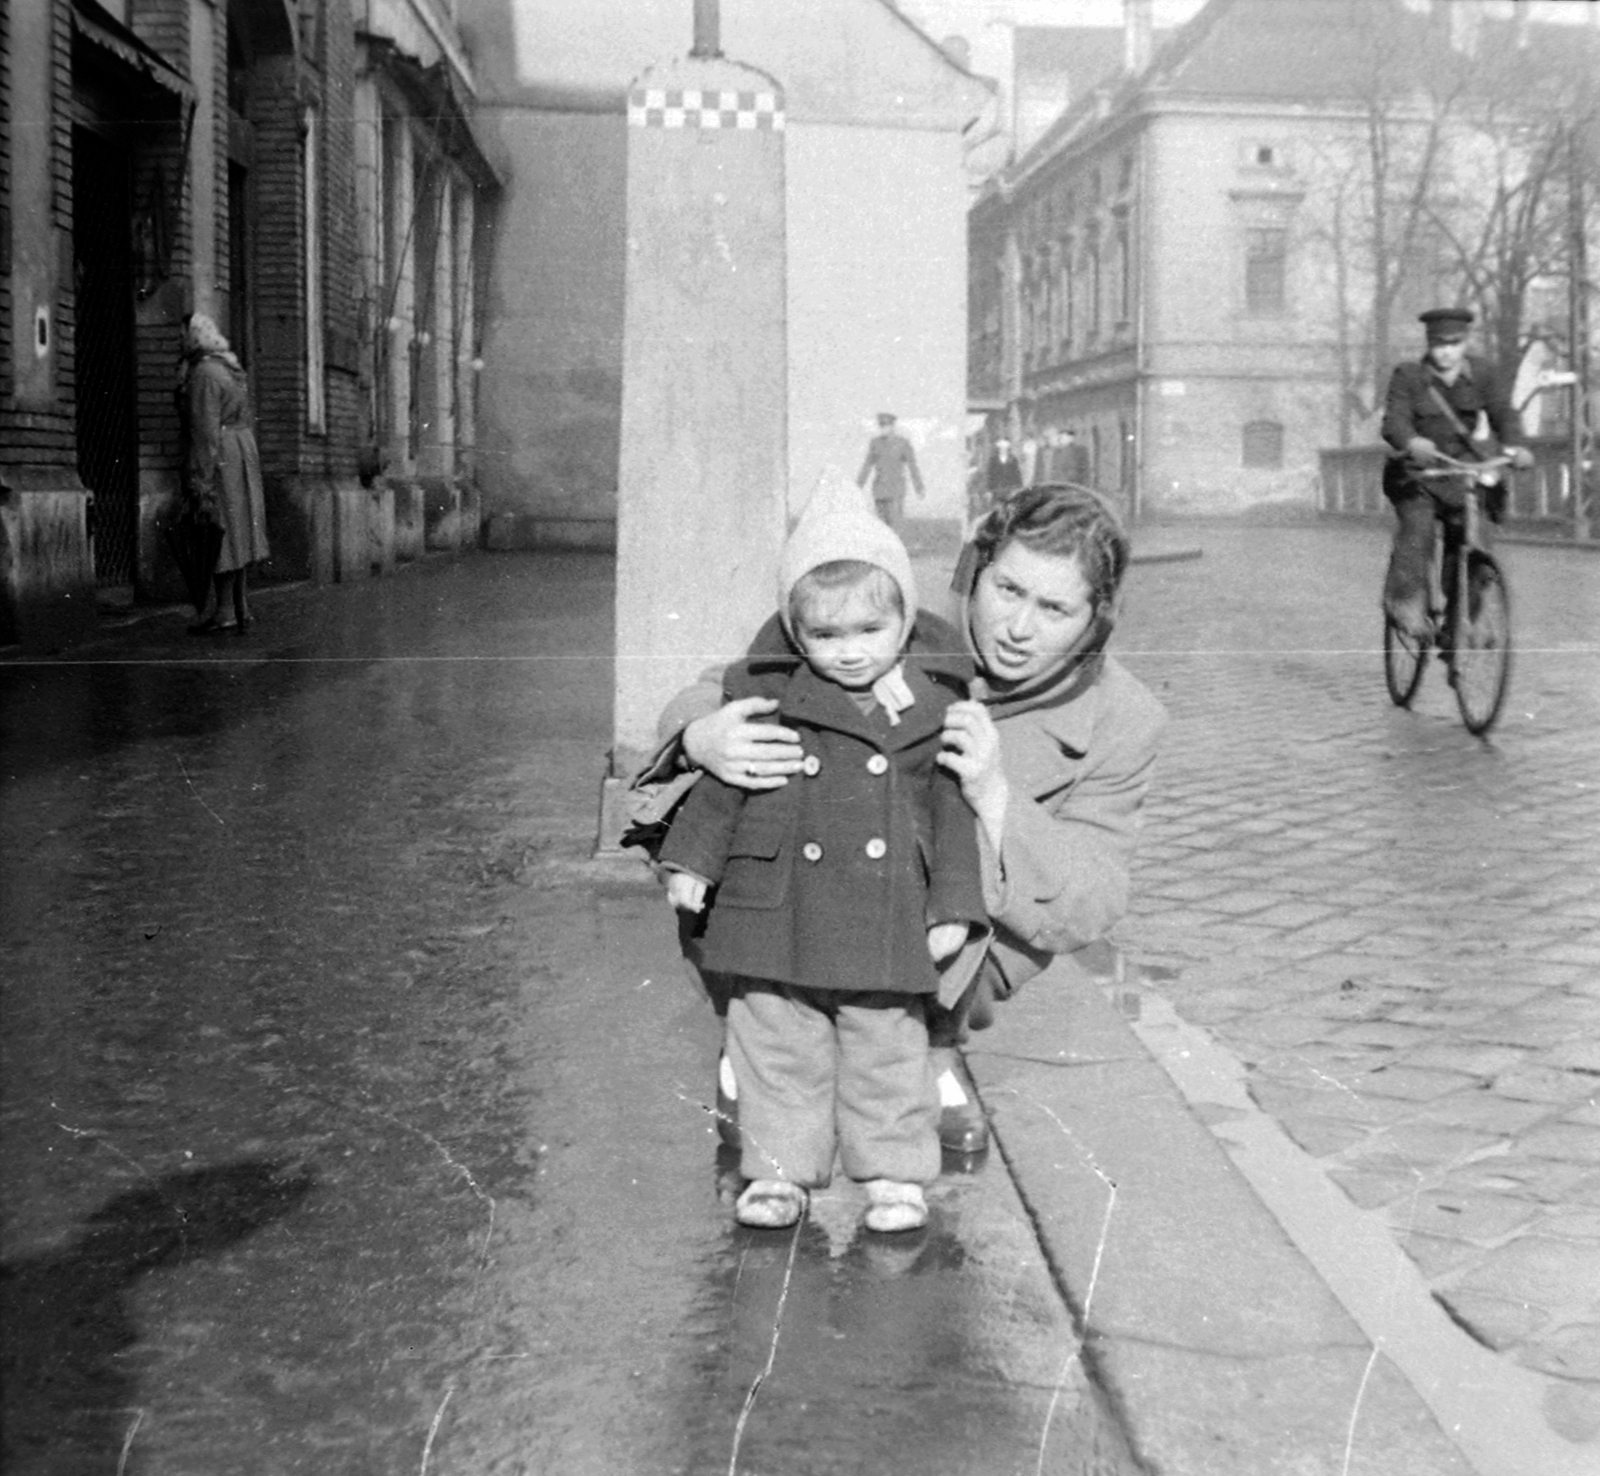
(838, 522)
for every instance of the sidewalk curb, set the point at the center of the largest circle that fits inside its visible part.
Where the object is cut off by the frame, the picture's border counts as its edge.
(1223, 1351)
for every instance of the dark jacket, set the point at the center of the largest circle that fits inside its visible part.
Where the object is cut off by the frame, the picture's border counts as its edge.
(889, 461)
(1410, 409)
(1004, 475)
(832, 881)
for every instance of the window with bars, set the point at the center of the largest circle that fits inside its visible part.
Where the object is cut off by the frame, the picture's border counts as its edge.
(1266, 271)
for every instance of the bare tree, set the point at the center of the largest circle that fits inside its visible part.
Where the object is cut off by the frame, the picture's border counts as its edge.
(1519, 159)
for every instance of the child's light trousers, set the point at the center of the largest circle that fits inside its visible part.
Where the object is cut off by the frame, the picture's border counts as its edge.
(819, 1069)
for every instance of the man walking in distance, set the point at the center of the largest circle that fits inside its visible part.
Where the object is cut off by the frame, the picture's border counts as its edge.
(890, 460)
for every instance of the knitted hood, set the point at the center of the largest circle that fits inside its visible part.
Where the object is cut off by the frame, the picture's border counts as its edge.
(838, 522)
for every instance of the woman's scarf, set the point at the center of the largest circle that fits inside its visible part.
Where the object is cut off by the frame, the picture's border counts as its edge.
(194, 356)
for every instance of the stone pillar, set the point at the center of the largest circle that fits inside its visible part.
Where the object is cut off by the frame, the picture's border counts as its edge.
(436, 257)
(41, 242)
(436, 362)
(700, 503)
(47, 578)
(399, 288)
(466, 344)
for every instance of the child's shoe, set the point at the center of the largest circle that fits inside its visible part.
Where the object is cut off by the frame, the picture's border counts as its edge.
(770, 1204)
(893, 1207)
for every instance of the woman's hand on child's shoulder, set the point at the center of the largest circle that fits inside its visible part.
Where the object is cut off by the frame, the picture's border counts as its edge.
(741, 750)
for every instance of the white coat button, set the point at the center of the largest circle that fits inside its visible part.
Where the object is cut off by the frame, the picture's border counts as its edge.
(877, 764)
(877, 847)
(811, 851)
(811, 764)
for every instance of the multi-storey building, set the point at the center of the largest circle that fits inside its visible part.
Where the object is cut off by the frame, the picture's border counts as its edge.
(1194, 267)
(305, 172)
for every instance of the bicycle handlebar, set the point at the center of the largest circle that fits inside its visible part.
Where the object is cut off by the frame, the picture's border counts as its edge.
(1479, 471)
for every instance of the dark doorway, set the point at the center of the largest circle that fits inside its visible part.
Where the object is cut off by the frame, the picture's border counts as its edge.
(108, 431)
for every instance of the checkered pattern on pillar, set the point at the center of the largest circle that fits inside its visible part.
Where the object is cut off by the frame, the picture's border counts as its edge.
(708, 107)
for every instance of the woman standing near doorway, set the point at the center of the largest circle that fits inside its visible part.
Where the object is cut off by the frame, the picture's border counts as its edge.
(222, 468)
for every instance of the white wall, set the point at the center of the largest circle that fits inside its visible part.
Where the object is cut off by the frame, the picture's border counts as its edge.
(876, 277)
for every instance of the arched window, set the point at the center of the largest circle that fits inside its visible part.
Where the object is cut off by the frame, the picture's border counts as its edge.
(1263, 444)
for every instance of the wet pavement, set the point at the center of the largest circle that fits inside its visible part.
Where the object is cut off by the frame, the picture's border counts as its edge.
(1367, 948)
(355, 1120)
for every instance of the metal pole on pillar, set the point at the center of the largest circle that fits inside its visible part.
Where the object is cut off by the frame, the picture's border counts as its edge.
(707, 30)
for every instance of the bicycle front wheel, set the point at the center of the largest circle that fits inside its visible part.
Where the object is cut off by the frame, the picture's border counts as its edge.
(1482, 659)
(1404, 657)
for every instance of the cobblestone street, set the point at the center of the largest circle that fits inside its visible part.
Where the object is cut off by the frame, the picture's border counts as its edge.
(1392, 928)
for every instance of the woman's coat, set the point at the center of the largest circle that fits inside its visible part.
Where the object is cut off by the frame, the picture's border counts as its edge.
(223, 466)
(1078, 775)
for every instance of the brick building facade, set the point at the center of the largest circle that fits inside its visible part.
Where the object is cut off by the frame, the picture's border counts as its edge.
(262, 161)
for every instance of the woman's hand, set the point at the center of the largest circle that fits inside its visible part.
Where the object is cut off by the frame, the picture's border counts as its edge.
(741, 751)
(945, 939)
(686, 891)
(972, 754)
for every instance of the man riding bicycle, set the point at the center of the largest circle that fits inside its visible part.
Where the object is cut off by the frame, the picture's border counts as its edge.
(1431, 414)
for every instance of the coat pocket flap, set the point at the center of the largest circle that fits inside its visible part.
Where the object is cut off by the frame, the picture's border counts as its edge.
(762, 839)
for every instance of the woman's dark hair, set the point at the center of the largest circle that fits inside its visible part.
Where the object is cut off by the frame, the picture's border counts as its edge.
(1062, 520)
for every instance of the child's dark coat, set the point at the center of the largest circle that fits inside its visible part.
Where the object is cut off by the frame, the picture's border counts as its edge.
(831, 882)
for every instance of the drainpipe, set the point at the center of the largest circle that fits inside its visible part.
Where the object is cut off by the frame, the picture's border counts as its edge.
(707, 30)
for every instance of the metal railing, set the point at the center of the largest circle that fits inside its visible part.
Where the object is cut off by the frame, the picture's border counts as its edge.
(1350, 484)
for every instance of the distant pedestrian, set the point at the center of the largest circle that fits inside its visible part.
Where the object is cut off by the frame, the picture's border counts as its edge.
(1004, 474)
(891, 461)
(834, 898)
(1071, 460)
(221, 468)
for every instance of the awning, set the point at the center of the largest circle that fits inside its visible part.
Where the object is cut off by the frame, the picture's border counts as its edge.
(103, 30)
(432, 92)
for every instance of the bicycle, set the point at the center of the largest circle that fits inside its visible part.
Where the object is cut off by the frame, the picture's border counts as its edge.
(1473, 636)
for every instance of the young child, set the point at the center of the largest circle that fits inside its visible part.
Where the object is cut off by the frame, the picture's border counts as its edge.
(833, 897)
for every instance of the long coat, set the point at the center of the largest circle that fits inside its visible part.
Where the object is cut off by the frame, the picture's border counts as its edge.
(222, 466)
(832, 881)
(1411, 409)
(1078, 776)
(1004, 475)
(890, 461)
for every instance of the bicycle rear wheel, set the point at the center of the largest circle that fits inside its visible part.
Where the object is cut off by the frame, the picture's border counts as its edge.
(1482, 659)
(1404, 657)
